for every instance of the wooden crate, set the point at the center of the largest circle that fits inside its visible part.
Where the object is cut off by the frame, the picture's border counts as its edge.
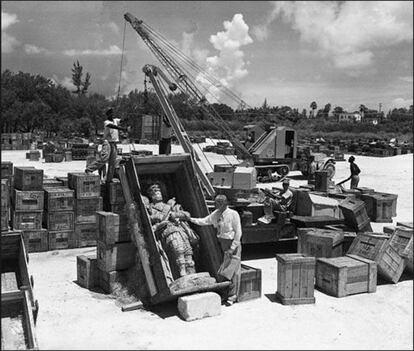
(36, 240)
(86, 234)
(250, 283)
(318, 242)
(315, 221)
(309, 204)
(109, 228)
(28, 178)
(405, 224)
(58, 240)
(27, 200)
(5, 194)
(295, 279)
(346, 275)
(408, 255)
(59, 199)
(110, 281)
(85, 209)
(400, 239)
(116, 195)
(27, 220)
(368, 245)
(388, 229)
(354, 213)
(115, 257)
(176, 172)
(52, 182)
(381, 207)
(87, 271)
(84, 185)
(68, 156)
(120, 210)
(59, 220)
(6, 169)
(5, 220)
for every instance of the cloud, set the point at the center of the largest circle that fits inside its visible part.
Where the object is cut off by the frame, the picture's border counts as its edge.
(113, 50)
(33, 49)
(114, 27)
(348, 32)
(408, 79)
(229, 65)
(401, 102)
(8, 42)
(65, 82)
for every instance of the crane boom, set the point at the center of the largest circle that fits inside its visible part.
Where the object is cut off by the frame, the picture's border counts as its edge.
(182, 79)
(152, 72)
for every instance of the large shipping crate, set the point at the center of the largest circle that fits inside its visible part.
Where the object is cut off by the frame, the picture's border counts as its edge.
(6, 169)
(28, 178)
(86, 208)
(408, 255)
(36, 240)
(381, 207)
(368, 245)
(346, 275)
(250, 283)
(59, 199)
(400, 238)
(27, 200)
(318, 242)
(111, 281)
(59, 220)
(116, 194)
(115, 257)
(84, 185)
(86, 234)
(309, 204)
(295, 279)
(109, 228)
(5, 220)
(27, 220)
(354, 213)
(87, 271)
(176, 172)
(5, 194)
(59, 240)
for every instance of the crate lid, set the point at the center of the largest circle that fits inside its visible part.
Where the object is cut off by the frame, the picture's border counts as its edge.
(294, 258)
(322, 200)
(334, 236)
(340, 262)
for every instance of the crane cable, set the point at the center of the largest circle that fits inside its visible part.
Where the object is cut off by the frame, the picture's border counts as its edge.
(122, 59)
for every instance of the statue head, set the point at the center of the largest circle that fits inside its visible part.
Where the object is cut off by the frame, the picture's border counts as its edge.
(154, 193)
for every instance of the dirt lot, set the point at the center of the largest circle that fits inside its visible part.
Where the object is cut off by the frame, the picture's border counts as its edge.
(72, 317)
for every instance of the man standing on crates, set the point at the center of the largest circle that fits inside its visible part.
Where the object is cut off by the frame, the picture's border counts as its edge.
(166, 135)
(111, 137)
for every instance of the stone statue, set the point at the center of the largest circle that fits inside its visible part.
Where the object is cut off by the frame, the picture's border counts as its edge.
(170, 226)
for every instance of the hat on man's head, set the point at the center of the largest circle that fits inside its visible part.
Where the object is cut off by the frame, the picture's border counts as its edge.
(109, 111)
(351, 158)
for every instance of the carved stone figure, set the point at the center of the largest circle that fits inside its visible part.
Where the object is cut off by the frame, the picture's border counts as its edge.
(177, 238)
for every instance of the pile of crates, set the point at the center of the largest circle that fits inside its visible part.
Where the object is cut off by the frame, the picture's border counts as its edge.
(82, 151)
(27, 202)
(16, 141)
(88, 200)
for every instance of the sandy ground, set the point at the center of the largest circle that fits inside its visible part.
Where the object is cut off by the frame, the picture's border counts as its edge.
(72, 317)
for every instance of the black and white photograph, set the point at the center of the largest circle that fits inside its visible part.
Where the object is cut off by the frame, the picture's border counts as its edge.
(207, 175)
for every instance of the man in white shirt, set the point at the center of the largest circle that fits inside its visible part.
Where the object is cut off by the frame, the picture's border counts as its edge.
(164, 146)
(229, 232)
(111, 135)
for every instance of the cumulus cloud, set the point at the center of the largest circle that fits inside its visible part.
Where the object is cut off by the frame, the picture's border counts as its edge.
(229, 65)
(8, 42)
(113, 50)
(400, 102)
(348, 32)
(65, 82)
(33, 50)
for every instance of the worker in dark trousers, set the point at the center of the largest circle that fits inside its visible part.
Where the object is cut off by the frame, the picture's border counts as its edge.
(166, 135)
(111, 135)
(355, 171)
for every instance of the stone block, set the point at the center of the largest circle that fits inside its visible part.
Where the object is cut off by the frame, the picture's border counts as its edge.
(198, 306)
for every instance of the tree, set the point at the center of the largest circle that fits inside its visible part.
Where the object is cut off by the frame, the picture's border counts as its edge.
(313, 106)
(326, 110)
(77, 73)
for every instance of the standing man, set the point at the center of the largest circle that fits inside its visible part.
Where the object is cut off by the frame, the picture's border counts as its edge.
(166, 135)
(111, 135)
(355, 171)
(228, 225)
(312, 168)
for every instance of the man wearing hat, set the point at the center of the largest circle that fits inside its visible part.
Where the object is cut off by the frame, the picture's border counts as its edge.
(283, 199)
(111, 137)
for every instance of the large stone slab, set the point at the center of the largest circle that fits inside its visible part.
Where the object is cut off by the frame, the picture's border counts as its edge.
(198, 306)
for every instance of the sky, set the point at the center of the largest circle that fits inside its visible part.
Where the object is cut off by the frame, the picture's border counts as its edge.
(345, 53)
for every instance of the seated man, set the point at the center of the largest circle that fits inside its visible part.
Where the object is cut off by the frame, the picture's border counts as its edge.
(277, 202)
(178, 239)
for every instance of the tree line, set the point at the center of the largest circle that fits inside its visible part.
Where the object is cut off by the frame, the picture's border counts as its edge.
(33, 103)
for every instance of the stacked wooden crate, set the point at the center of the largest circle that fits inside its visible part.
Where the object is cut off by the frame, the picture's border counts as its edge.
(59, 217)
(115, 251)
(381, 207)
(355, 214)
(6, 188)
(27, 207)
(87, 190)
(319, 242)
(116, 202)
